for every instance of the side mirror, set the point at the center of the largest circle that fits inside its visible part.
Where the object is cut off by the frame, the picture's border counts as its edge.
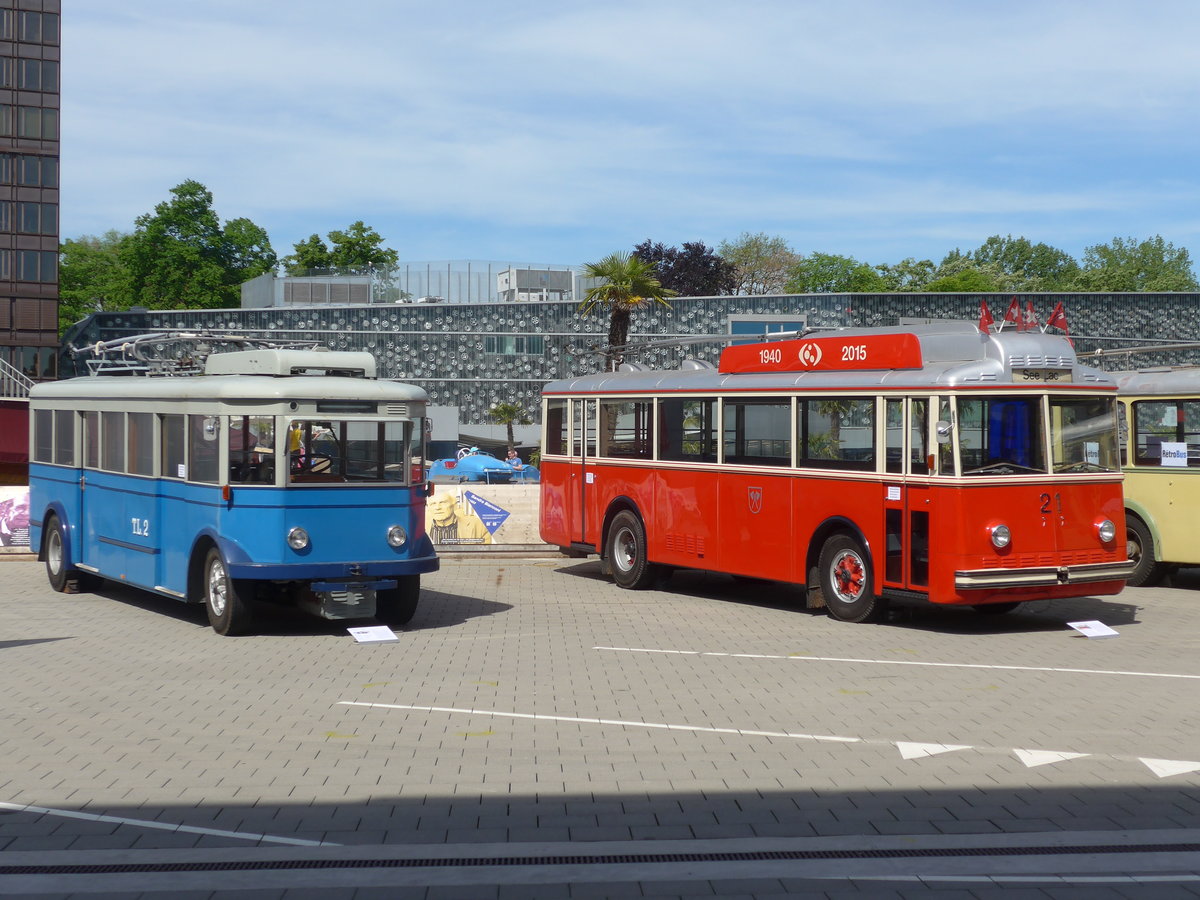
(943, 429)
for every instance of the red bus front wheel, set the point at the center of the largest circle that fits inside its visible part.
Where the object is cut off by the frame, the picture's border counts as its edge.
(845, 572)
(627, 553)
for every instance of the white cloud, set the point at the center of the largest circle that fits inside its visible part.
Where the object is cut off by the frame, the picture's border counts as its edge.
(553, 125)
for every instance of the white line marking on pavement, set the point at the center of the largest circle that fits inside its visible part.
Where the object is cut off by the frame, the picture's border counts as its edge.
(901, 662)
(908, 749)
(1033, 758)
(1164, 768)
(163, 826)
(624, 722)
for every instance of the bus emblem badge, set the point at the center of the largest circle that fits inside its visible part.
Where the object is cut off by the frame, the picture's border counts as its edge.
(755, 498)
(810, 354)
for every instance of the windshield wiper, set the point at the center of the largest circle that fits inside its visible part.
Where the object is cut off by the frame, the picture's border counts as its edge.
(1002, 467)
(1082, 466)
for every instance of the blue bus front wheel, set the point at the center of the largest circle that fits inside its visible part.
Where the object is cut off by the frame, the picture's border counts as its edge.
(228, 611)
(398, 605)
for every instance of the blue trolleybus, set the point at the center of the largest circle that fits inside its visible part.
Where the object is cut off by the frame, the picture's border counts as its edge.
(273, 474)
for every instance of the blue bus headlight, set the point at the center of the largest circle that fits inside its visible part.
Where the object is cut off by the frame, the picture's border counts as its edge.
(297, 538)
(397, 536)
(1107, 531)
(1001, 536)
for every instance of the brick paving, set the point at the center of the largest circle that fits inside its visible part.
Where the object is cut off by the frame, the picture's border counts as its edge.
(127, 710)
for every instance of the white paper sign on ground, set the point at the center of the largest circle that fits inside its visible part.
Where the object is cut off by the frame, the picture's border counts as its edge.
(369, 633)
(1093, 629)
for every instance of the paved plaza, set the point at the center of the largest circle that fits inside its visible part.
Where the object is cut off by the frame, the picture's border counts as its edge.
(538, 732)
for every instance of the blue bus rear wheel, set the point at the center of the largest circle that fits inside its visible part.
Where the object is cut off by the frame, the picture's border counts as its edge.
(62, 577)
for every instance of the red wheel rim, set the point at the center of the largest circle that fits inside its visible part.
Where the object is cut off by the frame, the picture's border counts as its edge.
(849, 576)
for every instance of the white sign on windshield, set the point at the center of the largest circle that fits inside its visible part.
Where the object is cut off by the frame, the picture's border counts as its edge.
(1174, 453)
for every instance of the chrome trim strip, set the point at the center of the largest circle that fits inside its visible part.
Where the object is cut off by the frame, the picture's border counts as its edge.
(1042, 576)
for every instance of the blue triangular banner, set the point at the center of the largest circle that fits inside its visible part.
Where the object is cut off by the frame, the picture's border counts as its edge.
(492, 515)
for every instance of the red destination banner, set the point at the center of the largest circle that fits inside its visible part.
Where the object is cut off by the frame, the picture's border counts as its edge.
(838, 353)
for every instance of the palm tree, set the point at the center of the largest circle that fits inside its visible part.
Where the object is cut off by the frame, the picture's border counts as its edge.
(509, 414)
(626, 282)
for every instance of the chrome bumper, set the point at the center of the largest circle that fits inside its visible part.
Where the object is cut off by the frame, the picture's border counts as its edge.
(1042, 576)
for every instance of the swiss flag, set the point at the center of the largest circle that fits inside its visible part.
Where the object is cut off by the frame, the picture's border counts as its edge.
(1013, 313)
(985, 317)
(1058, 319)
(1030, 321)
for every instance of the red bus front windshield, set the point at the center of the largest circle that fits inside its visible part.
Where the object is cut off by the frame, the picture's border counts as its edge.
(1007, 435)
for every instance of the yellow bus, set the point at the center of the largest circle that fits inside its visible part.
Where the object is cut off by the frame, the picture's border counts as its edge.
(1160, 424)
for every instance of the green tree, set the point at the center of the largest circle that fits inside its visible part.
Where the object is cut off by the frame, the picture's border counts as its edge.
(1025, 265)
(91, 277)
(1129, 265)
(248, 249)
(959, 273)
(907, 275)
(360, 247)
(509, 414)
(762, 262)
(625, 284)
(310, 253)
(829, 273)
(967, 280)
(179, 256)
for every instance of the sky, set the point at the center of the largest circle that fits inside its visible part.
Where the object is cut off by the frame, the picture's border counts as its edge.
(559, 132)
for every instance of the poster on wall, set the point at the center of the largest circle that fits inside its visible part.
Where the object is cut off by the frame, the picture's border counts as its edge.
(452, 522)
(14, 516)
(505, 514)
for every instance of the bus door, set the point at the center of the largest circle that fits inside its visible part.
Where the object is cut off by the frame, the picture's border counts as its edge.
(583, 450)
(84, 544)
(118, 513)
(906, 498)
(754, 511)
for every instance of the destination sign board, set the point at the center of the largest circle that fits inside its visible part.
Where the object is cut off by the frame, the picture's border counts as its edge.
(834, 353)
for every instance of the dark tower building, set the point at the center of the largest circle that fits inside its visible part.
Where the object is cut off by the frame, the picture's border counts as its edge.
(29, 142)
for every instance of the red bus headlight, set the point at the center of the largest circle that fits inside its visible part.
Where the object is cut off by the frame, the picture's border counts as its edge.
(1001, 536)
(1107, 531)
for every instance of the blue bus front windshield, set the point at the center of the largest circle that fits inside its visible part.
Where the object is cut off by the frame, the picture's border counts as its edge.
(351, 451)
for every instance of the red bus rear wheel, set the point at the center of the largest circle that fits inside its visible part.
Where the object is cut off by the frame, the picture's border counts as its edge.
(845, 572)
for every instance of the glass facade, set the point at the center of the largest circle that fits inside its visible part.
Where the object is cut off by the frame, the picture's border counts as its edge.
(29, 154)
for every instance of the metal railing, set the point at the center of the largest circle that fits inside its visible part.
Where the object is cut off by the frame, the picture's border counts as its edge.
(14, 384)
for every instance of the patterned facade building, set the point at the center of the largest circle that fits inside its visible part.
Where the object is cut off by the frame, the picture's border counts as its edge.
(475, 355)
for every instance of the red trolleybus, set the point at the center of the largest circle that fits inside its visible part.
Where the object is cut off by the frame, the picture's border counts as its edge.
(929, 462)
